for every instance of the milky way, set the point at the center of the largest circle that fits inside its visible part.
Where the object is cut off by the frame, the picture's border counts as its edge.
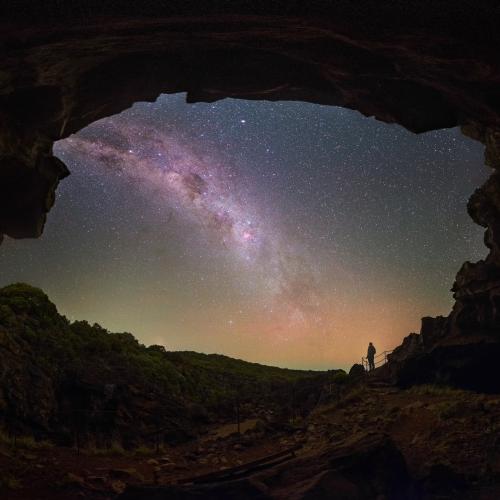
(199, 189)
(284, 233)
(206, 193)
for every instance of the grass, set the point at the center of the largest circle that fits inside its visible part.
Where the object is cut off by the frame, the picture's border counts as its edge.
(28, 443)
(355, 395)
(23, 442)
(436, 390)
(8, 481)
(115, 450)
(144, 451)
(450, 402)
(5, 440)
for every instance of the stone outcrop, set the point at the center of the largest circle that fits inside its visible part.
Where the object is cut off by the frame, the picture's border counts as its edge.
(463, 348)
(357, 371)
(412, 345)
(469, 365)
(477, 286)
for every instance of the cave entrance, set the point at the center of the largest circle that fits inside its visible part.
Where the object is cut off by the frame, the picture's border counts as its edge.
(286, 233)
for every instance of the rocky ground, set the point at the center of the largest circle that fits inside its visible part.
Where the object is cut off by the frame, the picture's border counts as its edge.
(425, 442)
(449, 439)
(41, 471)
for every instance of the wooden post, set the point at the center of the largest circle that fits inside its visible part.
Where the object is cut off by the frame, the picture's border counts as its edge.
(238, 414)
(77, 436)
(157, 438)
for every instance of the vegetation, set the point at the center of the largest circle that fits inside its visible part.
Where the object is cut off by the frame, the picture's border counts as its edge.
(144, 451)
(80, 347)
(78, 362)
(436, 390)
(25, 443)
(9, 481)
(114, 450)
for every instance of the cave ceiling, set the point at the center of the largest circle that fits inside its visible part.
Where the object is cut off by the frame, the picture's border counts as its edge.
(423, 65)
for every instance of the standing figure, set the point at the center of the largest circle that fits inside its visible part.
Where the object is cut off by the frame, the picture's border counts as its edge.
(371, 357)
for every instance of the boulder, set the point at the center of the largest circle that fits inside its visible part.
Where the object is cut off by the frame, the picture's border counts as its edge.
(331, 482)
(412, 345)
(241, 490)
(441, 481)
(357, 371)
(369, 466)
(375, 465)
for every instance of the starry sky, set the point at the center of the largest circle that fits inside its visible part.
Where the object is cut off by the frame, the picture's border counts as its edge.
(285, 233)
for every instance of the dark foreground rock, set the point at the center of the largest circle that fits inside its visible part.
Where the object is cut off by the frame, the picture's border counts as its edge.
(357, 371)
(368, 468)
(241, 490)
(470, 365)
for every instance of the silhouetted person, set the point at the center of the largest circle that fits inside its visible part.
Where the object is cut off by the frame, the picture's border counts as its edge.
(371, 357)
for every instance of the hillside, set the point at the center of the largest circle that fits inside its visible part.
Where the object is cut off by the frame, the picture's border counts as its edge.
(76, 383)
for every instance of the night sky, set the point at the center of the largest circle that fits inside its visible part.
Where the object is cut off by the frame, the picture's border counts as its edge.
(285, 233)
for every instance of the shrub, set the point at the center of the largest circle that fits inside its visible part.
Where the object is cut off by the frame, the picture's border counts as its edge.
(8, 481)
(144, 451)
(29, 443)
(115, 450)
